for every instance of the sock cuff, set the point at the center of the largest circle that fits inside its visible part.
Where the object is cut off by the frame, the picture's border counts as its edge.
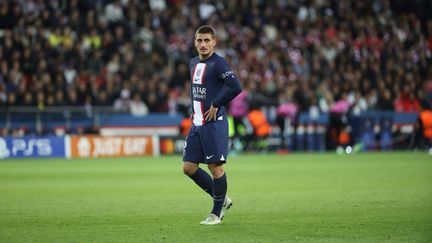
(197, 173)
(223, 177)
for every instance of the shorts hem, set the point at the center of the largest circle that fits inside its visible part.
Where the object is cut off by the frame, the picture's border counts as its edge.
(206, 162)
(215, 162)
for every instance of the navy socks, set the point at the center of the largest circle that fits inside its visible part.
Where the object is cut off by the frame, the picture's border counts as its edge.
(203, 180)
(219, 193)
(216, 188)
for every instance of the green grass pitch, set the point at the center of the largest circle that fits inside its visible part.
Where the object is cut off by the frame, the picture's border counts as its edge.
(374, 197)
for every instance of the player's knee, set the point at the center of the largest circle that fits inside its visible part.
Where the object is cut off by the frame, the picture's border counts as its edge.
(189, 168)
(187, 171)
(216, 170)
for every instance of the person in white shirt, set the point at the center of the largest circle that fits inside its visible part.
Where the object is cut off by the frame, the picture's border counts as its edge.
(137, 106)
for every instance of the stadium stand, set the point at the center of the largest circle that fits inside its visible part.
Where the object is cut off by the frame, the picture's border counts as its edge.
(318, 56)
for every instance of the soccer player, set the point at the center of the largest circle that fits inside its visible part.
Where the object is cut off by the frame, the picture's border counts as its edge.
(213, 85)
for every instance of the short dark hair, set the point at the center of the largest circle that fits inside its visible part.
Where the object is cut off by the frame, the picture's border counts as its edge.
(205, 29)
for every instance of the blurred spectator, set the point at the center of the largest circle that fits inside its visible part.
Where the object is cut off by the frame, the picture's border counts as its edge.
(172, 103)
(238, 109)
(3, 95)
(114, 11)
(59, 99)
(384, 102)
(92, 41)
(137, 106)
(122, 103)
(103, 99)
(28, 99)
(40, 100)
(406, 102)
(73, 98)
(11, 99)
(88, 106)
(180, 76)
(152, 102)
(184, 102)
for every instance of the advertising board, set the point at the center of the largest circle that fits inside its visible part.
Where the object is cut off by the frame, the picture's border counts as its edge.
(118, 146)
(32, 146)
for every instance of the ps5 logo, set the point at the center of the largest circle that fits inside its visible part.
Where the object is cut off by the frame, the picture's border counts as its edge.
(38, 146)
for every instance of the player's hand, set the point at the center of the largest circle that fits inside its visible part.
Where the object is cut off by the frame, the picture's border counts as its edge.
(210, 114)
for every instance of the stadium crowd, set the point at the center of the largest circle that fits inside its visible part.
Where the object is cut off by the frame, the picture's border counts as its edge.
(303, 55)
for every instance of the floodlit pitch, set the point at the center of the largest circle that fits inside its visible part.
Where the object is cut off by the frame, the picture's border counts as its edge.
(372, 197)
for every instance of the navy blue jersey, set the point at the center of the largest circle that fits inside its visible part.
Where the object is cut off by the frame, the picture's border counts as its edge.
(213, 82)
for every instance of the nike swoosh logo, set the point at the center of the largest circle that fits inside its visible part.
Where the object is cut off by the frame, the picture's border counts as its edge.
(209, 157)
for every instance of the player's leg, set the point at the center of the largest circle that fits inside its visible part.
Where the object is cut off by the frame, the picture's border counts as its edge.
(199, 176)
(214, 139)
(189, 168)
(192, 155)
(219, 187)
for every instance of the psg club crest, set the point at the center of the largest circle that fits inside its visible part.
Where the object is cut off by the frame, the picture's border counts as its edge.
(199, 73)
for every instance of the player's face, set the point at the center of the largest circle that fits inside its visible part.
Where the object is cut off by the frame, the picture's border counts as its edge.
(205, 44)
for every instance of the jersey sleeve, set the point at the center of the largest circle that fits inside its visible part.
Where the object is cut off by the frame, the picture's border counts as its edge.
(233, 87)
